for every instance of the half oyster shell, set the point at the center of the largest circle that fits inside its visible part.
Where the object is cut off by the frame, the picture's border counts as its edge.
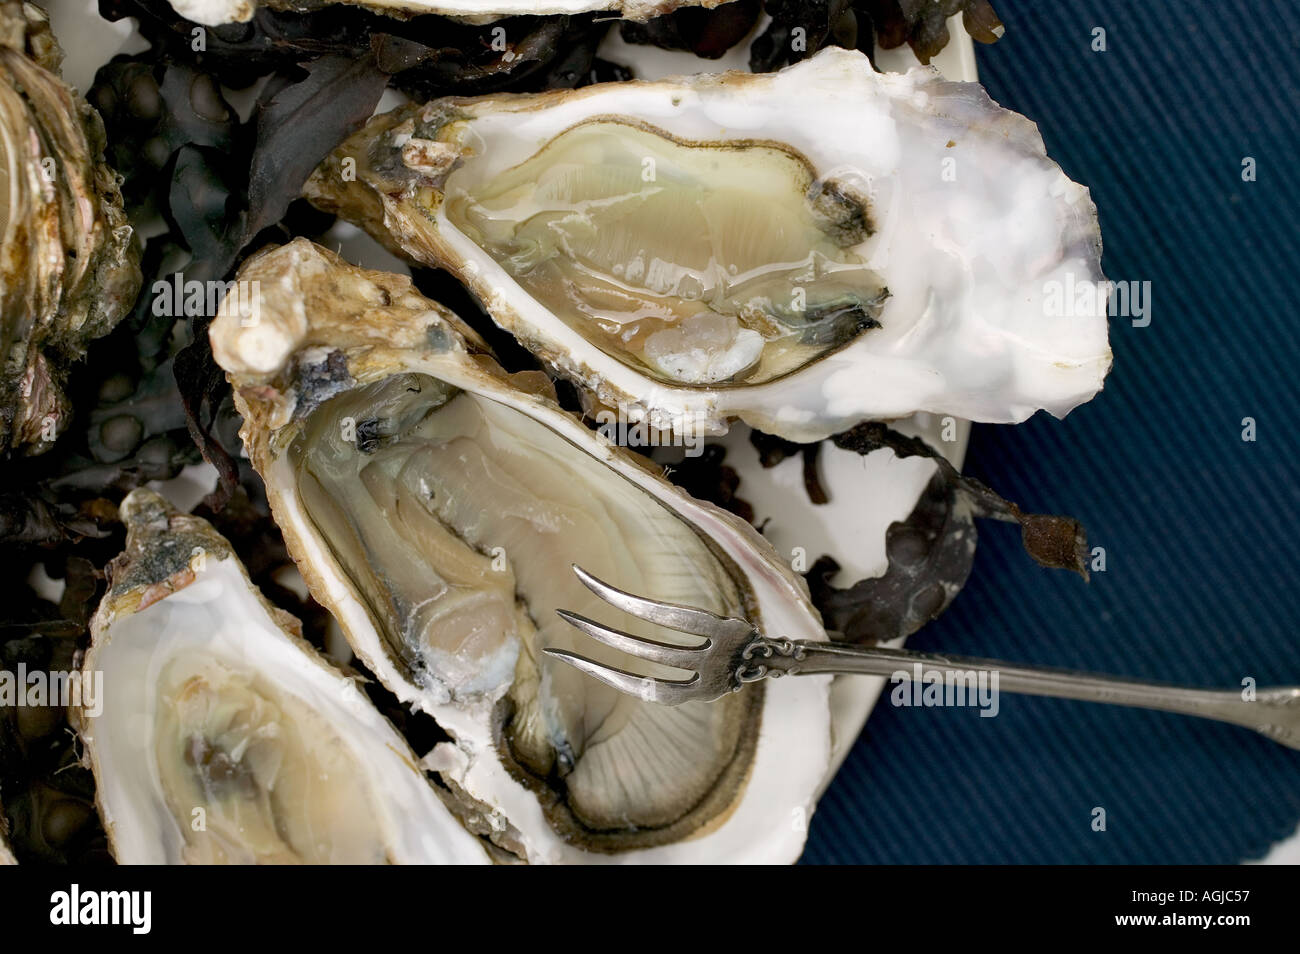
(435, 505)
(69, 267)
(803, 250)
(220, 736)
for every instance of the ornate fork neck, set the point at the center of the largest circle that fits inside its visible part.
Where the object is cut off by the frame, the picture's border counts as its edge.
(767, 658)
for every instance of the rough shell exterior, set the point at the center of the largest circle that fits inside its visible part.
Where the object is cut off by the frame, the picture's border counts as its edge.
(69, 268)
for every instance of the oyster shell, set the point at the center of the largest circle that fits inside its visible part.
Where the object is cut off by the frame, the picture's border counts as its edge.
(803, 250)
(434, 506)
(217, 12)
(221, 736)
(6, 856)
(69, 268)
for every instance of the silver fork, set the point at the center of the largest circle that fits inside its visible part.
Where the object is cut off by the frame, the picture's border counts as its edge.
(735, 653)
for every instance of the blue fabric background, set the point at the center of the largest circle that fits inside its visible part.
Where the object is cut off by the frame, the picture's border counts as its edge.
(1199, 527)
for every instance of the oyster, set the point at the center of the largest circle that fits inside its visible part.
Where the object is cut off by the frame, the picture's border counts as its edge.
(6, 856)
(69, 268)
(217, 12)
(434, 505)
(803, 250)
(220, 736)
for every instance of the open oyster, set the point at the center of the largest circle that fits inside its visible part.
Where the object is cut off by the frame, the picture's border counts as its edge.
(69, 268)
(803, 250)
(435, 505)
(220, 736)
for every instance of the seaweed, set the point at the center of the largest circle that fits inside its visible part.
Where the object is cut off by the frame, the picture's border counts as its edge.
(930, 553)
(1055, 542)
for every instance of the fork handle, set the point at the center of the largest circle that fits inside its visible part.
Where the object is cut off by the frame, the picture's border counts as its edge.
(1272, 712)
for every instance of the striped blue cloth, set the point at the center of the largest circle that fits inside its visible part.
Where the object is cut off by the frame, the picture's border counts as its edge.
(1199, 527)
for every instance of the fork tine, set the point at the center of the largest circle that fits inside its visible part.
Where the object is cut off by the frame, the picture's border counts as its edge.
(667, 692)
(666, 654)
(685, 619)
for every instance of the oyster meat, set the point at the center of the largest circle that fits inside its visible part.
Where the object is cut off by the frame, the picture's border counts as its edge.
(803, 250)
(221, 736)
(435, 505)
(69, 265)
